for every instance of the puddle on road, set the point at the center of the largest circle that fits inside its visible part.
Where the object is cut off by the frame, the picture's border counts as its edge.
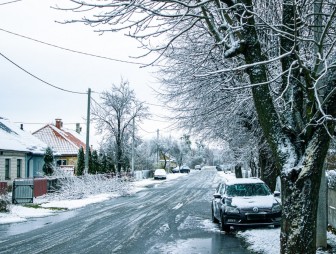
(216, 244)
(35, 223)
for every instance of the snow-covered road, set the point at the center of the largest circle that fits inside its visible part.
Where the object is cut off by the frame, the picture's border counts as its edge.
(172, 217)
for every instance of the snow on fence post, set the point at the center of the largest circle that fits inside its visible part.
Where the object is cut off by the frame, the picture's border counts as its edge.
(332, 198)
(322, 218)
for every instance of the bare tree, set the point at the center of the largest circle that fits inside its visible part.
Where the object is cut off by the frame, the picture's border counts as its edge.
(144, 157)
(286, 58)
(162, 147)
(205, 106)
(115, 114)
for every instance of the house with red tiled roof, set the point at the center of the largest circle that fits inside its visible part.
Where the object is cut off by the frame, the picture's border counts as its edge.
(65, 143)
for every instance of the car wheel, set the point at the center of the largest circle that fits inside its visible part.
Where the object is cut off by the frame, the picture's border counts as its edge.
(214, 219)
(224, 227)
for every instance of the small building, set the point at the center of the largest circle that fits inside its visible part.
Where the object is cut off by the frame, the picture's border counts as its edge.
(21, 154)
(65, 143)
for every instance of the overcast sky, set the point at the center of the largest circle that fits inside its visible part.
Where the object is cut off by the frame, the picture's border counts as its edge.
(28, 100)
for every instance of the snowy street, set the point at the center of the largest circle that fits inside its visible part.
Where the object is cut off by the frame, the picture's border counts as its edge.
(169, 217)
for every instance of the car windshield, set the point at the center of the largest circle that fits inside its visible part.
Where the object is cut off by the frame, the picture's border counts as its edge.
(241, 190)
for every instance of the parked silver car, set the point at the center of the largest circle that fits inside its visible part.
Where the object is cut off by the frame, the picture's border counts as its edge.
(245, 202)
(160, 174)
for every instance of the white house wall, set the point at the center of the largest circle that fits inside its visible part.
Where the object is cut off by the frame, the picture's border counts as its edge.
(13, 157)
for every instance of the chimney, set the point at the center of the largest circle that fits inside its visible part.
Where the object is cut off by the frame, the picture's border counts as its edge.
(59, 123)
(78, 128)
(21, 126)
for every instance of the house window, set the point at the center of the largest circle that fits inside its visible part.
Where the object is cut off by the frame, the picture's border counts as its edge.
(18, 168)
(7, 169)
(61, 162)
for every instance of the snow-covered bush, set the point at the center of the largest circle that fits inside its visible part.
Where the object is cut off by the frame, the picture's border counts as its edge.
(75, 187)
(331, 176)
(4, 203)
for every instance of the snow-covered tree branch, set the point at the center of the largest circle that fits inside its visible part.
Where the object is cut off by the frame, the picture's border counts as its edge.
(283, 56)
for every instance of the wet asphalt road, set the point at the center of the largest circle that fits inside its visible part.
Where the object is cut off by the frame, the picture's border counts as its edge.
(171, 218)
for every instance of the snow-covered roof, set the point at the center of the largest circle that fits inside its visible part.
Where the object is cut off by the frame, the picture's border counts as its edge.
(62, 141)
(12, 138)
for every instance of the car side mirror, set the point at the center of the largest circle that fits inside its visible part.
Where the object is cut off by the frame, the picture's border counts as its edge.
(217, 195)
(276, 194)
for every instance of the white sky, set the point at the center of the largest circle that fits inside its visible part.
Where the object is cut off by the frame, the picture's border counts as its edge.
(25, 99)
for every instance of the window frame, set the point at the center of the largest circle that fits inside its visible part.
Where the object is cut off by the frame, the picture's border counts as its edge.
(19, 168)
(7, 169)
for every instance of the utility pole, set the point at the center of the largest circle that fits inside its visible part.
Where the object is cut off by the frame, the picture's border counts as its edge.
(133, 146)
(87, 145)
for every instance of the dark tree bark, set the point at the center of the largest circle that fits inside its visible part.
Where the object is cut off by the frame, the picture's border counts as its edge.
(268, 170)
(238, 171)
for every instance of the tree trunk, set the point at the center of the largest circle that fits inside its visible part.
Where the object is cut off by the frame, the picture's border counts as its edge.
(268, 169)
(300, 190)
(300, 187)
(253, 166)
(165, 160)
(119, 156)
(238, 171)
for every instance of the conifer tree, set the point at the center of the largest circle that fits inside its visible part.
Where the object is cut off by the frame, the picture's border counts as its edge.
(103, 163)
(94, 167)
(80, 162)
(48, 167)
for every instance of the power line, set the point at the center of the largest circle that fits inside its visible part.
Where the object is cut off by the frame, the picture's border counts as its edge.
(156, 105)
(45, 123)
(71, 50)
(149, 132)
(97, 103)
(10, 2)
(34, 76)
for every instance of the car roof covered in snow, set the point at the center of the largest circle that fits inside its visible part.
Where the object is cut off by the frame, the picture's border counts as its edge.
(232, 181)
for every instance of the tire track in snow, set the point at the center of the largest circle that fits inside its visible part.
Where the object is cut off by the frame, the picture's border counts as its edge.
(118, 226)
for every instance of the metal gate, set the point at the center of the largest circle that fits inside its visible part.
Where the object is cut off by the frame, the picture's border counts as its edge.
(23, 191)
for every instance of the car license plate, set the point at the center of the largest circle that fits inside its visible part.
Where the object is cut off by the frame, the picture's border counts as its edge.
(256, 216)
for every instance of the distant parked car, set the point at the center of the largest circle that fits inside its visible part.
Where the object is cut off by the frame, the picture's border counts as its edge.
(160, 174)
(198, 167)
(185, 169)
(245, 202)
(176, 170)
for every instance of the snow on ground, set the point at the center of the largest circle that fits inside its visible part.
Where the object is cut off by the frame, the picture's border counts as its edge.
(73, 204)
(53, 203)
(263, 240)
(267, 240)
(20, 213)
